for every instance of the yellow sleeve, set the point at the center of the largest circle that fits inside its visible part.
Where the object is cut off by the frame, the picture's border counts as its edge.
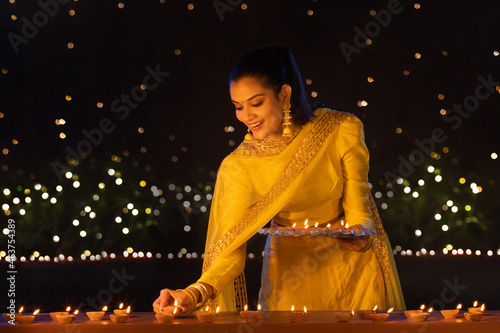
(231, 201)
(355, 166)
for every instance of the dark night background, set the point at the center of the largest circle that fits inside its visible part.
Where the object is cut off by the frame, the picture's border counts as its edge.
(175, 138)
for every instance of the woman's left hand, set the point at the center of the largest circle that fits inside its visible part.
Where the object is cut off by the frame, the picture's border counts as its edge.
(355, 244)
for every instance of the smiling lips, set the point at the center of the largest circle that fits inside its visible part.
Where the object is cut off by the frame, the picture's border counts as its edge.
(256, 125)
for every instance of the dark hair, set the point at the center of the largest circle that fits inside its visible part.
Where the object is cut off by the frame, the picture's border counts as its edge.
(274, 66)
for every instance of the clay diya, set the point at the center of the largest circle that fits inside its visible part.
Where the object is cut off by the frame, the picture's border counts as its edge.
(251, 316)
(450, 314)
(297, 316)
(207, 316)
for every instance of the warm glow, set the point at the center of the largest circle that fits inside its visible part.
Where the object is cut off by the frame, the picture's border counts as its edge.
(258, 307)
(246, 308)
(38, 310)
(430, 310)
(316, 225)
(175, 311)
(217, 311)
(375, 308)
(128, 309)
(342, 223)
(422, 307)
(293, 308)
(459, 306)
(305, 309)
(21, 309)
(347, 225)
(121, 306)
(475, 304)
(206, 309)
(293, 226)
(482, 307)
(175, 303)
(328, 225)
(105, 308)
(68, 308)
(76, 312)
(305, 223)
(390, 310)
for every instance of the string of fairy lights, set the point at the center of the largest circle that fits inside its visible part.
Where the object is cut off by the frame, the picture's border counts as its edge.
(22, 200)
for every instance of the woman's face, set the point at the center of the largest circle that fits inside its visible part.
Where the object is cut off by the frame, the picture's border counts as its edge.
(258, 108)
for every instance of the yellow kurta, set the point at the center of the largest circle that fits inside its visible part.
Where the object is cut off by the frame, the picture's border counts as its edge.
(319, 174)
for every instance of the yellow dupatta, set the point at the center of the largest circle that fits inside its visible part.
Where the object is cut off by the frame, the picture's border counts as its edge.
(241, 206)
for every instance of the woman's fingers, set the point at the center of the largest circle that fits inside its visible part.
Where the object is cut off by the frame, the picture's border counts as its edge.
(166, 298)
(166, 303)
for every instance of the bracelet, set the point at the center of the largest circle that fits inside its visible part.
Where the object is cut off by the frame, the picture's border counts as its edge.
(204, 288)
(204, 294)
(368, 245)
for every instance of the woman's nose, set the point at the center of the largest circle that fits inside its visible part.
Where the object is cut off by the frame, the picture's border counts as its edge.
(247, 114)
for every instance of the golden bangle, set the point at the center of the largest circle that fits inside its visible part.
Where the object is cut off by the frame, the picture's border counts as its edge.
(368, 245)
(196, 304)
(204, 295)
(204, 288)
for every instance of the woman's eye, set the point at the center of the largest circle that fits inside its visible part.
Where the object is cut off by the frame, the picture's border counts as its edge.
(258, 104)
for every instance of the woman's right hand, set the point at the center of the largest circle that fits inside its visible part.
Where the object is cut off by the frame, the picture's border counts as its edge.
(165, 303)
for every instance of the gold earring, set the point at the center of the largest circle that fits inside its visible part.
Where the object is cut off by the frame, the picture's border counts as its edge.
(287, 131)
(249, 135)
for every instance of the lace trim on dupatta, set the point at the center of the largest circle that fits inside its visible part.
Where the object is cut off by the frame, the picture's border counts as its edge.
(378, 244)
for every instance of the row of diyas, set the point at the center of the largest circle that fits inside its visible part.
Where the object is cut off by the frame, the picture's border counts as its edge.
(64, 317)
(306, 226)
(475, 313)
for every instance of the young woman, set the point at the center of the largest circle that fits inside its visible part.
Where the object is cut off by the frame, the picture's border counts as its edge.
(295, 164)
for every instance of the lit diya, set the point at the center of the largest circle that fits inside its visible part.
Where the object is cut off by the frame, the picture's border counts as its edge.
(380, 317)
(453, 313)
(97, 315)
(297, 316)
(251, 316)
(207, 316)
(66, 319)
(26, 319)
